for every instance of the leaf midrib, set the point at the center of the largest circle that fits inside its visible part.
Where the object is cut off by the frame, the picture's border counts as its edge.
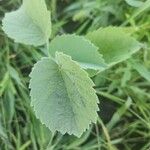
(34, 22)
(69, 97)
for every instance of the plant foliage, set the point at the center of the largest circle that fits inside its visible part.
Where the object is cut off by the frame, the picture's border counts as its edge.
(114, 44)
(62, 94)
(30, 24)
(59, 96)
(80, 49)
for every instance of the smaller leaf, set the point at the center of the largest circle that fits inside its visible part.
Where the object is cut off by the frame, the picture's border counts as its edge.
(134, 3)
(30, 24)
(119, 113)
(141, 69)
(114, 44)
(3, 133)
(92, 72)
(15, 75)
(80, 15)
(80, 49)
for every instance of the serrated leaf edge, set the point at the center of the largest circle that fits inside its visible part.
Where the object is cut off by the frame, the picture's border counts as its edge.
(90, 43)
(127, 34)
(41, 120)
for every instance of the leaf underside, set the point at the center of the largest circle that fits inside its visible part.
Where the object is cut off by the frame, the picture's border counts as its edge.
(114, 44)
(62, 95)
(80, 49)
(30, 24)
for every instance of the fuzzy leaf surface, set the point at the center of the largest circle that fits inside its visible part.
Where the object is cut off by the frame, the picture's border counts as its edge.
(62, 95)
(114, 44)
(80, 49)
(30, 24)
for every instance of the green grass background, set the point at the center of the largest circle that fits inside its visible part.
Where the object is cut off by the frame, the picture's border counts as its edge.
(124, 90)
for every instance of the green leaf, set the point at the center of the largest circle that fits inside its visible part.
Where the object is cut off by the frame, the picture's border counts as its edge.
(92, 72)
(141, 69)
(114, 44)
(119, 113)
(62, 95)
(80, 49)
(142, 9)
(30, 24)
(3, 133)
(15, 75)
(134, 3)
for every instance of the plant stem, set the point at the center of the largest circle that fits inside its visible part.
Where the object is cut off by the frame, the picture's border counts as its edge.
(106, 134)
(50, 141)
(47, 49)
